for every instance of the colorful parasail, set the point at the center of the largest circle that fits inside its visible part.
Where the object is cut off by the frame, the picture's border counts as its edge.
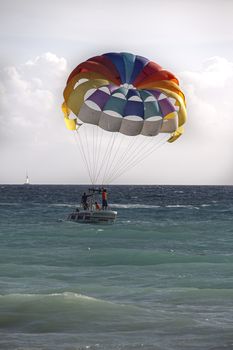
(127, 94)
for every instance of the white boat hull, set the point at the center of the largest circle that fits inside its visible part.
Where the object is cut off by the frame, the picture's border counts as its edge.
(95, 216)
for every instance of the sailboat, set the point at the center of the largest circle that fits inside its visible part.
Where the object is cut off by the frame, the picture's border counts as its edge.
(27, 182)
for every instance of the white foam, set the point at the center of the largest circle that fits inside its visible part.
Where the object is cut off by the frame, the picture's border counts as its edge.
(6, 203)
(188, 206)
(62, 205)
(134, 206)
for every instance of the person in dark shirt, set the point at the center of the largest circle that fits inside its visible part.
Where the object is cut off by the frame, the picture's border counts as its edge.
(84, 200)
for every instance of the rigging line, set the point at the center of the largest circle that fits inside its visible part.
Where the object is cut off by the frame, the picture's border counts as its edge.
(112, 155)
(115, 155)
(102, 153)
(93, 141)
(138, 157)
(121, 155)
(77, 138)
(128, 160)
(124, 153)
(85, 144)
(109, 156)
(136, 147)
(99, 152)
(103, 159)
(96, 142)
(129, 167)
(78, 147)
(152, 149)
(88, 153)
(139, 149)
(120, 137)
(83, 153)
(143, 151)
(93, 150)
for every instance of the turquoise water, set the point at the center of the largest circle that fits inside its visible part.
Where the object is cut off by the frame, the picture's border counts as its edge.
(160, 278)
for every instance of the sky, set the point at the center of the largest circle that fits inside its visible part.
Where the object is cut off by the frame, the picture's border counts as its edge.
(42, 42)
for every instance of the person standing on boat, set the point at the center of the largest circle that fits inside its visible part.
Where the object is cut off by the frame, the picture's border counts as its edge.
(84, 200)
(104, 199)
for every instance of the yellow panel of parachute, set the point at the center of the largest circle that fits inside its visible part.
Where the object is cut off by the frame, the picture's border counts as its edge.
(70, 123)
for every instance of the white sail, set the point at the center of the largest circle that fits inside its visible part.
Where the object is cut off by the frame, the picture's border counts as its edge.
(27, 182)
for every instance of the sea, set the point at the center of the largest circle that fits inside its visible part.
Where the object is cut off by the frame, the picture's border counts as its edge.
(160, 278)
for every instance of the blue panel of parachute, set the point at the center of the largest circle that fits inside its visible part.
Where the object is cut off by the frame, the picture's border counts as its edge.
(129, 60)
(118, 61)
(139, 64)
(134, 108)
(133, 92)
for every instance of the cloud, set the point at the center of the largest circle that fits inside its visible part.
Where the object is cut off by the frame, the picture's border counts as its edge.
(32, 131)
(209, 128)
(31, 94)
(209, 96)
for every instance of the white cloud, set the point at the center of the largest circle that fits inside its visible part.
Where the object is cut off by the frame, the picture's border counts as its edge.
(32, 131)
(31, 94)
(209, 96)
(208, 138)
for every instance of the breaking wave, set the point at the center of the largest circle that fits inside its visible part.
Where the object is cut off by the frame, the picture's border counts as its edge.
(59, 311)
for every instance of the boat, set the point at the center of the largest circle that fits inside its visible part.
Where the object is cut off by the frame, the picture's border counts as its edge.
(90, 211)
(93, 216)
(27, 182)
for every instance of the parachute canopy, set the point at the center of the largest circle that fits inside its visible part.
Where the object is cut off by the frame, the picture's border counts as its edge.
(127, 94)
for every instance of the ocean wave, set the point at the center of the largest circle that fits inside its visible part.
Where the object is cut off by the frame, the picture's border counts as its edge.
(133, 206)
(48, 298)
(65, 297)
(59, 311)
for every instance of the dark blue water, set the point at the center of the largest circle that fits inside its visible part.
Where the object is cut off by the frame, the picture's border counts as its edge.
(160, 278)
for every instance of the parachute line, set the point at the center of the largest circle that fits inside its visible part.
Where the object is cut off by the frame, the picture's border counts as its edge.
(89, 155)
(139, 159)
(122, 156)
(107, 156)
(104, 157)
(115, 155)
(134, 149)
(98, 155)
(80, 147)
